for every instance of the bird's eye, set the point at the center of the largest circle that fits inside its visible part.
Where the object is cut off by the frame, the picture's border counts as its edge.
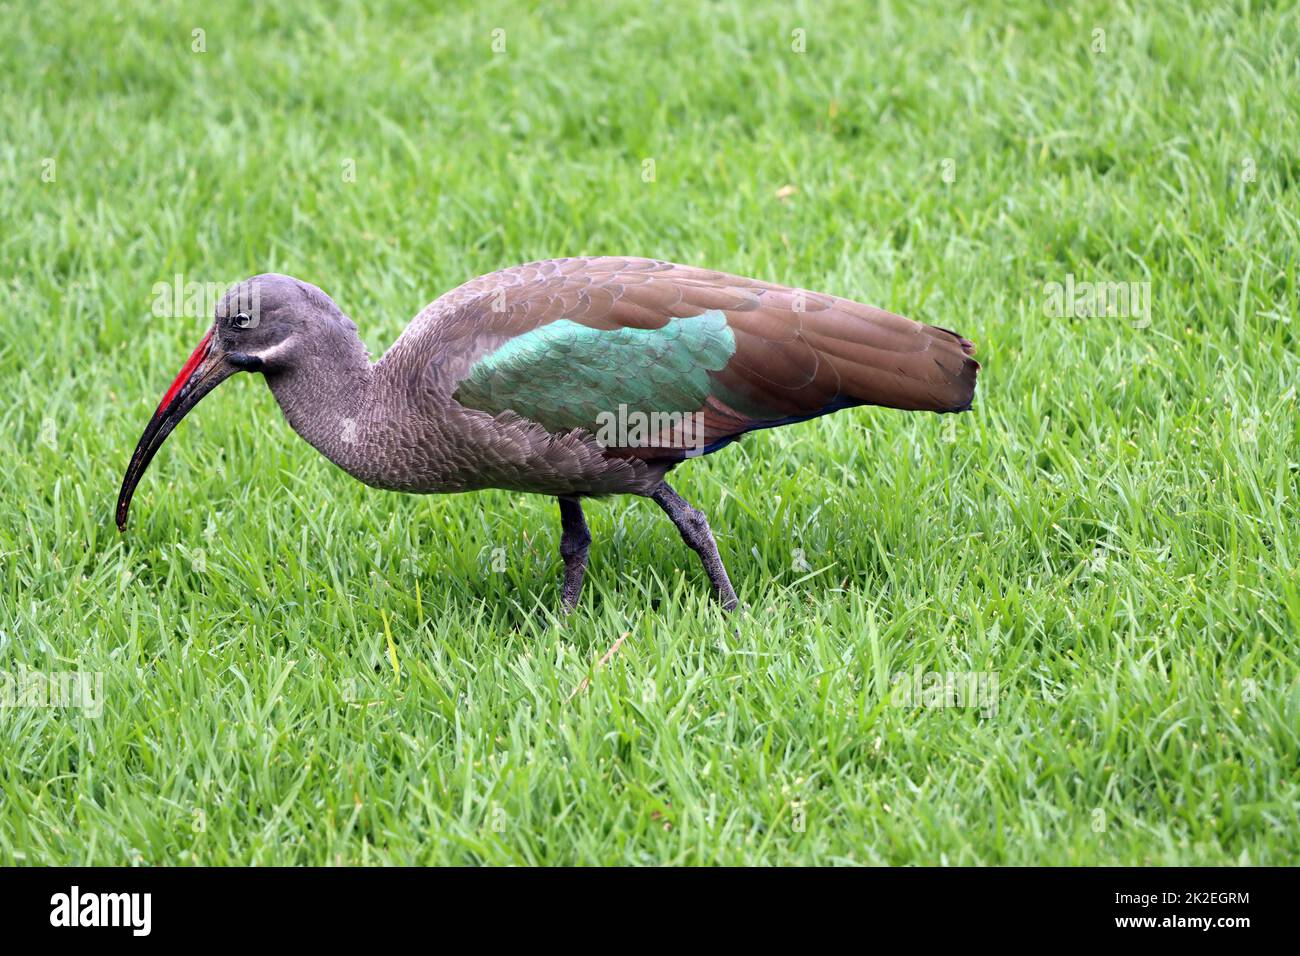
(245, 321)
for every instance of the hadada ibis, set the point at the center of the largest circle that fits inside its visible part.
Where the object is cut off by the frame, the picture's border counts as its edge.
(574, 378)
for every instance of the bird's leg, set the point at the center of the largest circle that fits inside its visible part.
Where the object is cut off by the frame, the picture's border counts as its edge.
(694, 527)
(575, 540)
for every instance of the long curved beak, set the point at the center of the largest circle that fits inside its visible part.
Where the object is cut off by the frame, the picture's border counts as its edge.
(206, 368)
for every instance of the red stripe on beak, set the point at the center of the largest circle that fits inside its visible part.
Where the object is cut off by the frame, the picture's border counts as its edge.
(196, 357)
(204, 370)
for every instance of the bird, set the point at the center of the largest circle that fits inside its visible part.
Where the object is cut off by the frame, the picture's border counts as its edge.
(576, 378)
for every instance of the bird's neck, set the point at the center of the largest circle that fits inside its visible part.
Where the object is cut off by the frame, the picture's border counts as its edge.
(327, 398)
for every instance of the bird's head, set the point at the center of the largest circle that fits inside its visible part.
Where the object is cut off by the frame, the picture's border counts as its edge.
(268, 324)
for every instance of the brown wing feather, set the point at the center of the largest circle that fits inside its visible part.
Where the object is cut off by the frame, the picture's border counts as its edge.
(798, 353)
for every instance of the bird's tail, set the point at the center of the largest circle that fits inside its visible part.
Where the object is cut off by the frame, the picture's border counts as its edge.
(953, 354)
(884, 359)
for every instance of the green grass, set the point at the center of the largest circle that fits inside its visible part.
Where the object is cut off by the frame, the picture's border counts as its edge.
(1112, 531)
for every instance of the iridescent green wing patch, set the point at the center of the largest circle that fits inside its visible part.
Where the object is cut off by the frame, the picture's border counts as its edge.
(564, 375)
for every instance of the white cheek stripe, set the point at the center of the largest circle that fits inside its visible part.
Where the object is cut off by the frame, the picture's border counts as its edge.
(269, 356)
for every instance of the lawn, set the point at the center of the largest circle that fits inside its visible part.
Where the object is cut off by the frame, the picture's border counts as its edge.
(296, 669)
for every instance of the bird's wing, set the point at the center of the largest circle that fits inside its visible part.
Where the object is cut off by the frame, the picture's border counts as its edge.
(582, 343)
